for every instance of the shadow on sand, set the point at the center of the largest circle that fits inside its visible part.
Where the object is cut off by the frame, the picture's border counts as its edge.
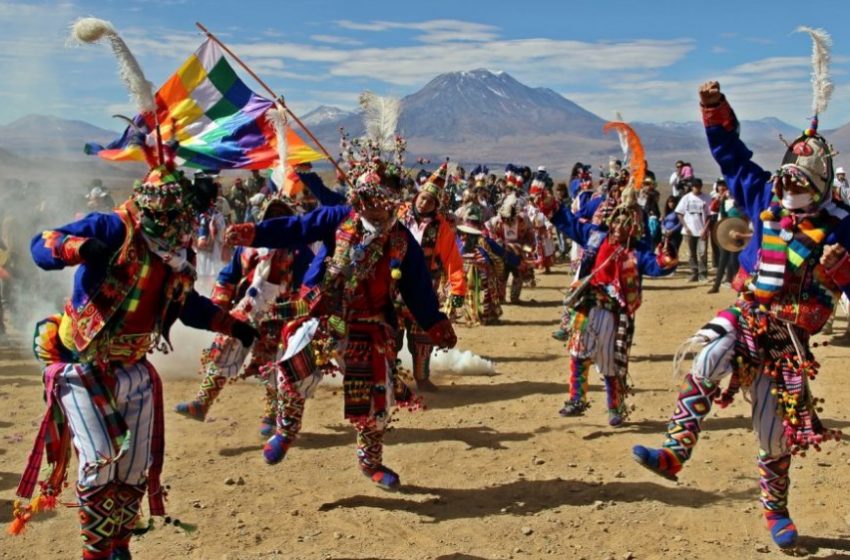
(524, 497)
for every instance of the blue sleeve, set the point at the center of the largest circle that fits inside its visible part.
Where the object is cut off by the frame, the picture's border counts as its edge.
(748, 183)
(648, 262)
(232, 271)
(588, 208)
(323, 194)
(569, 224)
(302, 263)
(415, 286)
(198, 311)
(498, 249)
(290, 231)
(46, 246)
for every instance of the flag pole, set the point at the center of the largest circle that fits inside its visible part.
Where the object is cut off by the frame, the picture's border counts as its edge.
(277, 98)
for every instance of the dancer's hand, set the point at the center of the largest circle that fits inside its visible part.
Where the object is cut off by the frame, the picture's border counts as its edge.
(443, 335)
(96, 252)
(832, 254)
(709, 94)
(244, 333)
(240, 234)
(457, 301)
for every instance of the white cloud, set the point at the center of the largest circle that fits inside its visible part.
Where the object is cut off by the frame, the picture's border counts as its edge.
(432, 31)
(336, 40)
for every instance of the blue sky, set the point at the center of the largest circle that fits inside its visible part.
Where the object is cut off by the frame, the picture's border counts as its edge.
(643, 59)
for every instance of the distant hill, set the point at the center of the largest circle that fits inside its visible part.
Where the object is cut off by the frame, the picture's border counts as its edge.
(474, 117)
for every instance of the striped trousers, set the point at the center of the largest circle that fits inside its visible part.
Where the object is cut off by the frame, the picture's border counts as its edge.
(714, 362)
(132, 390)
(593, 339)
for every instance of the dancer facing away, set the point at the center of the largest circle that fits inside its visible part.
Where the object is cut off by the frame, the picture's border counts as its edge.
(602, 312)
(249, 286)
(135, 277)
(373, 258)
(791, 275)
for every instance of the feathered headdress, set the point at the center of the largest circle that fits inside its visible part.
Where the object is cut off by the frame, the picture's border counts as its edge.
(375, 162)
(809, 157)
(632, 147)
(164, 195)
(822, 86)
(627, 204)
(93, 30)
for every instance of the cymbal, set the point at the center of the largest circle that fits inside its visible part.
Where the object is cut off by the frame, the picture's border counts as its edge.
(470, 230)
(724, 230)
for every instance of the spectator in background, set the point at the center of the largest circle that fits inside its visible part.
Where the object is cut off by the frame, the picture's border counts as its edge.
(256, 183)
(840, 187)
(671, 227)
(238, 199)
(99, 200)
(679, 179)
(724, 206)
(693, 214)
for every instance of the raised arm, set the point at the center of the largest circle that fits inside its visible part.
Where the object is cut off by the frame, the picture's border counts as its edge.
(748, 183)
(569, 224)
(323, 194)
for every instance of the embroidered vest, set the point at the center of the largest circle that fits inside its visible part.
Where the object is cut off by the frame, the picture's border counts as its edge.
(98, 319)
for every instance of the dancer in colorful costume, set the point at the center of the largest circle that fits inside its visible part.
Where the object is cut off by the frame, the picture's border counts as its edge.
(484, 264)
(791, 276)
(512, 230)
(604, 300)
(135, 279)
(249, 286)
(437, 237)
(349, 311)
(539, 213)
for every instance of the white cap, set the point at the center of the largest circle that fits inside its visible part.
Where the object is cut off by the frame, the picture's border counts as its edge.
(840, 170)
(541, 168)
(97, 192)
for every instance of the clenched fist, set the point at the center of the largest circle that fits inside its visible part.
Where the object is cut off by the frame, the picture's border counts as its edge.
(831, 255)
(709, 94)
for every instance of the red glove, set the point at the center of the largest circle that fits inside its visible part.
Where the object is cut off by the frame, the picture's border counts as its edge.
(443, 335)
(240, 234)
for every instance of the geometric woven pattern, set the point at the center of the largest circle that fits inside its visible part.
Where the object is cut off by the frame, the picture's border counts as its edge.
(692, 406)
(370, 447)
(97, 520)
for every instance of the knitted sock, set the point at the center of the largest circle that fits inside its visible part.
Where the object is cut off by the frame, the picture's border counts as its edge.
(97, 520)
(210, 388)
(692, 406)
(774, 482)
(290, 412)
(615, 393)
(579, 368)
(128, 502)
(370, 449)
(269, 419)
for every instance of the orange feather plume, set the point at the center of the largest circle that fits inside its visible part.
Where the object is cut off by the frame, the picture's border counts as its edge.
(637, 159)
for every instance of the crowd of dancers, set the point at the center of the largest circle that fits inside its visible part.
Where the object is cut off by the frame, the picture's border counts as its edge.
(333, 290)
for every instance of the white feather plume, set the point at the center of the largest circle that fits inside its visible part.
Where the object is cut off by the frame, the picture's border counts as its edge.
(380, 115)
(92, 30)
(821, 57)
(277, 117)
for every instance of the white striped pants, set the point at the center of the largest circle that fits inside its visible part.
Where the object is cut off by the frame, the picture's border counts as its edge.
(714, 362)
(596, 341)
(133, 394)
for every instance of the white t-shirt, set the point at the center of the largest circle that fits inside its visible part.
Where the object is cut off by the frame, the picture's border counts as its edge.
(694, 211)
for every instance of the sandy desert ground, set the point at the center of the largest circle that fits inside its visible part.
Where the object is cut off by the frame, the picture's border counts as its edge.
(489, 471)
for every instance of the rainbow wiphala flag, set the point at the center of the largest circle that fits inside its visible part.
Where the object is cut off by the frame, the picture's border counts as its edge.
(218, 122)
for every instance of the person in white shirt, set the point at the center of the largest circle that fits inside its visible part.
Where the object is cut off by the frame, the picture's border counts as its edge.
(693, 214)
(840, 187)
